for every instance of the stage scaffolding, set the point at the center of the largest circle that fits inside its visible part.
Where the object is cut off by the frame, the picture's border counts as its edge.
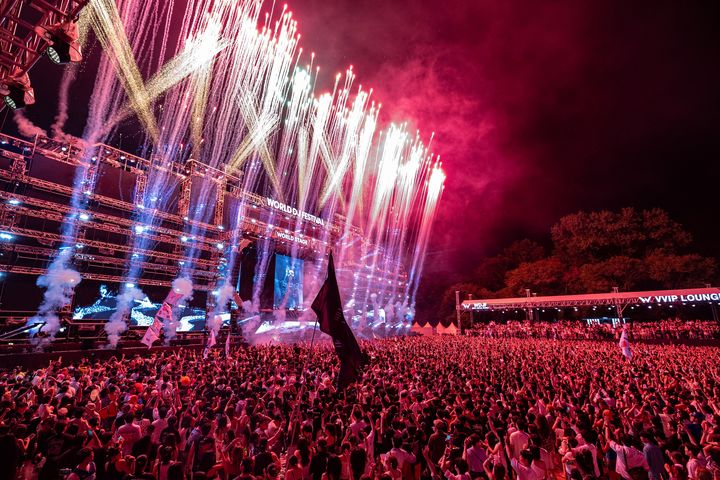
(108, 261)
(34, 204)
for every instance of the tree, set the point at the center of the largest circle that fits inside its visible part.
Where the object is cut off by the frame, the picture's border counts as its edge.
(593, 252)
(623, 272)
(545, 277)
(492, 271)
(629, 249)
(523, 251)
(583, 237)
(680, 271)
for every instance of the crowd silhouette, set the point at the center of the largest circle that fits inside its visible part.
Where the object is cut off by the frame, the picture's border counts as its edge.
(424, 407)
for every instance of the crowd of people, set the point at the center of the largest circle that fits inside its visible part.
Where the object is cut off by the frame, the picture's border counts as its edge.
(670, 329)
(425, 407)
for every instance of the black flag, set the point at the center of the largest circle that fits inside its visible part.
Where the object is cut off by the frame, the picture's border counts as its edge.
(328, 307)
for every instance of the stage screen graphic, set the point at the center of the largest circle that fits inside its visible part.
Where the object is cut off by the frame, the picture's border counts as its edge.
(142, 312)
(288, 282)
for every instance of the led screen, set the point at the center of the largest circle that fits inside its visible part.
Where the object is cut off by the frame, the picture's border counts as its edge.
(288, 282)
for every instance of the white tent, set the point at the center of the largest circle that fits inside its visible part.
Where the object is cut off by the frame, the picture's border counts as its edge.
(449, 330)
(426, 330)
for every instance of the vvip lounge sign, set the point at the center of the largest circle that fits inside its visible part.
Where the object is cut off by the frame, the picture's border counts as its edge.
(692, 297)
(274, 204)
(477, 306)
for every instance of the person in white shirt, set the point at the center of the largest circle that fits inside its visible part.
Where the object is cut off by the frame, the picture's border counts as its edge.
(399, 453)
(628, 457)
(584, 445)
(159, 424)
(697, 461)
(523, 467)
(518, 440)
(538, 464)
(358, 425)
(130, 433)
(475, 455)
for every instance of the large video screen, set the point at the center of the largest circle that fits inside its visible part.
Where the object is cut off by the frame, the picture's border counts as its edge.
(288, 282)
(142, 312)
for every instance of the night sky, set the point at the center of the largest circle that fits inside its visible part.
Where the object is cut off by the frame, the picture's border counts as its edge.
(539, 109)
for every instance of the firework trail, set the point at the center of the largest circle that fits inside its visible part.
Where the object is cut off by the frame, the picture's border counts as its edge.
(228, 98)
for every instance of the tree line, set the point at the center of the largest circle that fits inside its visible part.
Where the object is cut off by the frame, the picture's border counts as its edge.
(592, 252)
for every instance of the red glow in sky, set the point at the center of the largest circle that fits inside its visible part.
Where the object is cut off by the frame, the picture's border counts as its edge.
(540, 108)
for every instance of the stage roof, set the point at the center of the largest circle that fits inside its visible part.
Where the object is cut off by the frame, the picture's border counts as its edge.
(692, 295)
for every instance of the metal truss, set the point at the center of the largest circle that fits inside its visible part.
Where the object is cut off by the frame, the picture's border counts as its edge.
(550, 304)
(102, 259)
(97, 221)
(64, 239)
(99, 277)
(26, 253)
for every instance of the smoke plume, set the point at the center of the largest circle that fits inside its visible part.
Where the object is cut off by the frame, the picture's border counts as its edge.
(118, 320)
(57, 127)
(26, 127)
(225, 294)
(376, 307)
(389, 312)
(59, 282)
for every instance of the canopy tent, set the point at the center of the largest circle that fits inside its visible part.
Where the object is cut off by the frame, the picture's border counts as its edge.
(449, 330)
(426, 330)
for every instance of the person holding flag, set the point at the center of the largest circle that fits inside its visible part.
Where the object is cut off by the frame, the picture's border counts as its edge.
(211, 343)
(152, 334)
(328, 308)
(625, 344)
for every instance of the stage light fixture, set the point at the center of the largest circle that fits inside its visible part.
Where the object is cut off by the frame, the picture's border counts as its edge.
(17, 92)
(63, 44)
